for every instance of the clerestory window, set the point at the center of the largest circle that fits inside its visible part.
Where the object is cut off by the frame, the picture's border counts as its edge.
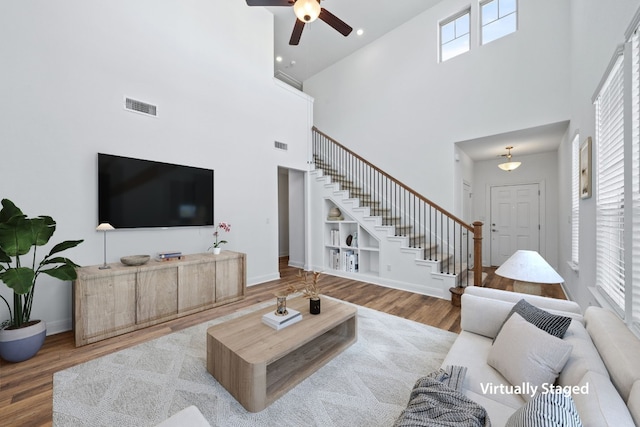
(499, 18)
(454, 36)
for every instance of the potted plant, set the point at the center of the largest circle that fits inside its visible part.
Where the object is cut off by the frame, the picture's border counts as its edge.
(216, 234)
(310, 290)
(21, 337)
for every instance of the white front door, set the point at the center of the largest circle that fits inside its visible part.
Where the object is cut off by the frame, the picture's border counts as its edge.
(515, 220)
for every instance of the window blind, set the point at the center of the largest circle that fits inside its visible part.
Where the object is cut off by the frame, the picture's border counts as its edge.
(635, 142)
(610, 186)
(575, 200)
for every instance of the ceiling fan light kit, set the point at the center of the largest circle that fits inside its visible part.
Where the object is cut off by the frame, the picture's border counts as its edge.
(508, 165)
(306, 11)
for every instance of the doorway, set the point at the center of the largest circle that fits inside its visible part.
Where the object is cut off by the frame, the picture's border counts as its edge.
(515, 220)
(291, 216)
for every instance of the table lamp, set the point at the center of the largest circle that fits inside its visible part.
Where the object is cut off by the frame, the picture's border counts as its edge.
(104, 227)
(528, 270)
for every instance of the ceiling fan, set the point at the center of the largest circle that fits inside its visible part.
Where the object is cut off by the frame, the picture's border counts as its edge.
(306, 11)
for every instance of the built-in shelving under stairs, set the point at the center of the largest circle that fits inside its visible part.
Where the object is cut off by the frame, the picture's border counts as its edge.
(364, 243)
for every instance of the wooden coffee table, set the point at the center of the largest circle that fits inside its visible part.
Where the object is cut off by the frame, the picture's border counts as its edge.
(258, 364)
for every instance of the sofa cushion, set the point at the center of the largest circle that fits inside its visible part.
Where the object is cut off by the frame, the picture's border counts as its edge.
(599, 404)
(471, 350)
(584, 356)
(483, 316)
(551, 323)
(618, 347)
(633, 403)
(546, 409)
(527, 356)
(549, 304)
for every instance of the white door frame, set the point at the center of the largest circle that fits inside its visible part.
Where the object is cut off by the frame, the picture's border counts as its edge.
(467, 216)
(486, 231)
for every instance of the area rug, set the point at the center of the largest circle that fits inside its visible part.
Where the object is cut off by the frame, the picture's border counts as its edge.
(366, 385)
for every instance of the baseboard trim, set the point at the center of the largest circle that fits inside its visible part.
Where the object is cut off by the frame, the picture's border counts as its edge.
(58, 326)
(262, 279)
(296, 264)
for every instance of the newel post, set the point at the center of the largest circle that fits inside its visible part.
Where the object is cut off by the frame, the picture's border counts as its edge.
(477, 253)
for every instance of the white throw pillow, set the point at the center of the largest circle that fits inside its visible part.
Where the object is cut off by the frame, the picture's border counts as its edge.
(529, 358)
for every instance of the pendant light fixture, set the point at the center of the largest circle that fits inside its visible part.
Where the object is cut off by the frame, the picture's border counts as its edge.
(509, 165)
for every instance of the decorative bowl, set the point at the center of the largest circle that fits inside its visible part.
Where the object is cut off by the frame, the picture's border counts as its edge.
(135, 259)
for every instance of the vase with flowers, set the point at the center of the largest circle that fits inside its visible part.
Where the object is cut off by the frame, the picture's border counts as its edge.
(224, 226)
(310, 290)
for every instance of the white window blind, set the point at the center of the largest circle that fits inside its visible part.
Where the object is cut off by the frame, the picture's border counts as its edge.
(610, 201)
(635, 139)
(575, 200)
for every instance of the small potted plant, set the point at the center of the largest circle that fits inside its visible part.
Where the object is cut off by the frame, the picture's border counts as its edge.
(225, 226)
(21, 337)
(310, 290)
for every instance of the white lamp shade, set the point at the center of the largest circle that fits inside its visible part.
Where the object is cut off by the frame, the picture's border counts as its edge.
(105, 226)
(528, 266)
(509, 166)
(307, 10)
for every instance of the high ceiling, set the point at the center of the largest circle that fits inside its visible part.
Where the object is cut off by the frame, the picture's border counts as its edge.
(322, 46)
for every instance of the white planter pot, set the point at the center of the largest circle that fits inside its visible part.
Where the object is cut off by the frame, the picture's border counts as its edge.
(216, 251)
(17, 345)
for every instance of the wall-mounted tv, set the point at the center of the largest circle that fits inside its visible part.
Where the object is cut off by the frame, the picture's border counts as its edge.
(134, 193)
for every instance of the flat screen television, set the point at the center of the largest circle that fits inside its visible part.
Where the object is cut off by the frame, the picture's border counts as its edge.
(135, 193)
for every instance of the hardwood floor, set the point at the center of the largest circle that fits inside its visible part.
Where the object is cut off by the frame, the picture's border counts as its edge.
(26, 389)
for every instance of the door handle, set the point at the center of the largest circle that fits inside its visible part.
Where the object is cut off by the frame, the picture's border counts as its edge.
(494, 230)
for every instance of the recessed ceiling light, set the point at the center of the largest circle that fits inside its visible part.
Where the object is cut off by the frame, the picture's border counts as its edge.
(279, 58)
(360, 31)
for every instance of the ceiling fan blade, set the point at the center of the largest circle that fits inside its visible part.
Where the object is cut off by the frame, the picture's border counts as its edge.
(297, 32)
(269, 3)
(336, 23)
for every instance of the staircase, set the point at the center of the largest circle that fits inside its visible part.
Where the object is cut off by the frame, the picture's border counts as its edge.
(404, 240)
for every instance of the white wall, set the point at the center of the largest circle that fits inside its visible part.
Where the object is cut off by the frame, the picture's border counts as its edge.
(207, 65)
(539, 169)
(393, 97)
(596, 29)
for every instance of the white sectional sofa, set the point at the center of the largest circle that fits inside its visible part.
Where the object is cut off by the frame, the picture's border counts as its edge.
(602, 372)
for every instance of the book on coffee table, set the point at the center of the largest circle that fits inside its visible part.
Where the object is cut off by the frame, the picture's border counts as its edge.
(279, 322)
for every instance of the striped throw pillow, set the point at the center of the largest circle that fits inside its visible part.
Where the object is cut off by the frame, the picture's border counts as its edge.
(551, 323)
(546, 409)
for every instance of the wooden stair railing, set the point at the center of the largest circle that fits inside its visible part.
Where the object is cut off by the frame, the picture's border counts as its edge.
(441, 235)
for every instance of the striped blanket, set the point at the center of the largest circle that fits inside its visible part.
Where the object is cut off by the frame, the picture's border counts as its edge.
(436, 401)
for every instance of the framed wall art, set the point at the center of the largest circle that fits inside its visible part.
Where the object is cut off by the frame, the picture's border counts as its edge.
(585, 169)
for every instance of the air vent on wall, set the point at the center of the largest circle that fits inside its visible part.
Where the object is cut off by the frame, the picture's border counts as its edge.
(140, 107)
(280, 145)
